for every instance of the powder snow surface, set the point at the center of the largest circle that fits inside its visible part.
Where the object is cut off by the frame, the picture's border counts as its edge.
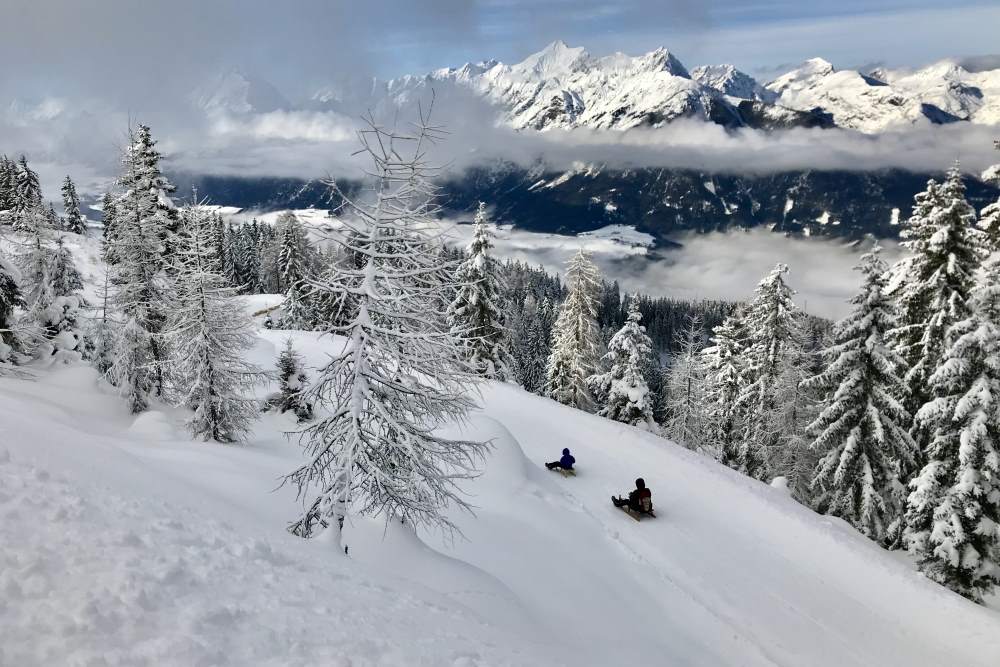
(122, 542)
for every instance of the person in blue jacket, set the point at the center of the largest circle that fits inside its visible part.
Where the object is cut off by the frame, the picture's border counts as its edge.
(566, 462)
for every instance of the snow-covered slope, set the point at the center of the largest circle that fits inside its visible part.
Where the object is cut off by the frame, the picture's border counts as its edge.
(940, 93)
(123, 542)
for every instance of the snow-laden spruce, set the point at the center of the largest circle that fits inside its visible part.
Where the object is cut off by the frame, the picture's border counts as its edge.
(143, 218)
(10, 300)
(27, 199)
(932, 285)
(576, 338)
(989, 222)
(208, 334)
(953, 514)
(724, 377)
(72, 218)
(622, 391)
(293, 382)
(772, 324)
(862, 431)
(530, 345)
(292, 269)
(478, 313)
(374, 448)
(684, 405)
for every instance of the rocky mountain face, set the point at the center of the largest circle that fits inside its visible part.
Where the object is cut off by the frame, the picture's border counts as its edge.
(662, 202)
(566, 87)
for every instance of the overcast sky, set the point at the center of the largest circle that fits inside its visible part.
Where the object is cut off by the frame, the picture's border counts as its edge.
(144, 53)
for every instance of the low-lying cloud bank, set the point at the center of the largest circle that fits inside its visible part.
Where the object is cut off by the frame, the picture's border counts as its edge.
(311, 144)
(706, 266)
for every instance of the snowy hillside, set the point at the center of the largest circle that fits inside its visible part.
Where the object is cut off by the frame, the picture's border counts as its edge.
(124, 542)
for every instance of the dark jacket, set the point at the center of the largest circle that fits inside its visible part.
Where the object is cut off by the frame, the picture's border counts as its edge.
(636, 496)
(567, 460)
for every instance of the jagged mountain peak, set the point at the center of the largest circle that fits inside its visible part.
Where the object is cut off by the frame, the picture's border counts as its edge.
(728, 80)
(556, 59)
(237, 91)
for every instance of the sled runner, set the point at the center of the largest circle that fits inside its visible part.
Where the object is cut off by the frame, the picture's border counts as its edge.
(646, 508)
(564, 472)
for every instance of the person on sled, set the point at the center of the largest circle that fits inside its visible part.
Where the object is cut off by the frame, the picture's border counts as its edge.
(566, 462)
(640, 499)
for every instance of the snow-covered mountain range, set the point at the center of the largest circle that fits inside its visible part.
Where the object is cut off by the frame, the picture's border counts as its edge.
(566, 87)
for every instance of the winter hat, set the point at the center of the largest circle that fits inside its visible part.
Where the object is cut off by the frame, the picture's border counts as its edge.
(640, 483)
(566, 451)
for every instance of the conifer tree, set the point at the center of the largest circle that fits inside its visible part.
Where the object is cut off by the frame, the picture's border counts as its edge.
(294, 382)
(934, 282)
(108, 233)
(73, 221)
(531, 348)
(292, 268)
(377, 449)
(142, 221)
(100, 343)
(249, 248)
(625, 395)
(773, 326)
(953, 511)
(208, 333)
(989, 223)
(10, 299)
(684, 409)
(862, 431)
(724, 382)
(8, 179)
(27, 197)
(477, 314)
(575, 336)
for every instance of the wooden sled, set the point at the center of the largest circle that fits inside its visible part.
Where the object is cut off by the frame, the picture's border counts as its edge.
(636, 515)
(563, 471)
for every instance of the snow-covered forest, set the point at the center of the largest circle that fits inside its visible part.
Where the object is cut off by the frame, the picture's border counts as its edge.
(888, 419)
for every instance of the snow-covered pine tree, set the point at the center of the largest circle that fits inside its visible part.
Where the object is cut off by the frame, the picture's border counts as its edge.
(724, 378)
(685, 405)
(478, 312)
(989, 222)
(625, 396)
(862, 431)
(208, 334)
(249, 249)
(10, 299)
(108, 233)
(218, 242)
(932, 284)
(73, 219)
(143, 219)
(530, 346)
(100, 341)
(953, 511)
(60, 318)
(376, 449)
(772, 324)
(292, 267)
(27, 196)
(293, 382)
(8, 179)
(51, 217)
(575, 336)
